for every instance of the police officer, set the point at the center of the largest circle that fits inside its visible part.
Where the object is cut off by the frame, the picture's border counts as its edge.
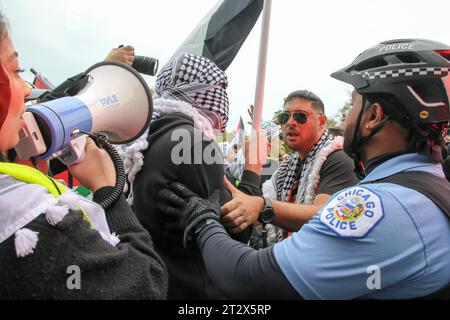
(385, 238)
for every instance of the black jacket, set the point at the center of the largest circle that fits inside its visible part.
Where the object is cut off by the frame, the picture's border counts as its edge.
(132, 270)
(188, 278)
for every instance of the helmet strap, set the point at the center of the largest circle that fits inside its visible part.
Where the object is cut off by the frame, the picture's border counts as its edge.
(355, 145)
(374, 131)
(358, 142)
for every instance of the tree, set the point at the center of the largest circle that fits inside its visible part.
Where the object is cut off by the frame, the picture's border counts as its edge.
(338, 120)
(344, 110)
(332, 123)
(275, 117)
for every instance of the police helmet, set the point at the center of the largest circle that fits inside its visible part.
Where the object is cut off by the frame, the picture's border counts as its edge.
(415, 72)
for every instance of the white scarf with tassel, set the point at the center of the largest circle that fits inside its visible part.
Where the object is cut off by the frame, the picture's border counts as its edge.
(21, 203)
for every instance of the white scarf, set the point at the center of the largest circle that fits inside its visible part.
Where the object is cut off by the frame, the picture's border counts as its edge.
(21, 203)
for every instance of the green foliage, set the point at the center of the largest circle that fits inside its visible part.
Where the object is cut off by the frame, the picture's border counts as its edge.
(345, 109)
(332, 123)
(338, 120)
(275, 117)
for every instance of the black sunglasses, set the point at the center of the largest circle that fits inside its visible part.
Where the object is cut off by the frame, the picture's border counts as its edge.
(299, 116)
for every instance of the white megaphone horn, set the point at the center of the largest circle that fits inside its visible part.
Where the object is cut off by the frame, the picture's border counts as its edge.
(116, 102)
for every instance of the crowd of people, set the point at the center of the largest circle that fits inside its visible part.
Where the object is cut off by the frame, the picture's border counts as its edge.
(364, 215)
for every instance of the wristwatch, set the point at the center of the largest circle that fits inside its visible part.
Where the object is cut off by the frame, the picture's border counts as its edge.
(267, 214)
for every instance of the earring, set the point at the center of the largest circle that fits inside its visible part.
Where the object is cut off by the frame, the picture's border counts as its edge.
(367, 126)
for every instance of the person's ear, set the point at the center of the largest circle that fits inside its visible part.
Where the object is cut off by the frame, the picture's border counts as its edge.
(323, 121)
(375, 116)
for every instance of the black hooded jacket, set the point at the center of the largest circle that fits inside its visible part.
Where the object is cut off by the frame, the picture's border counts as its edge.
(188, 278)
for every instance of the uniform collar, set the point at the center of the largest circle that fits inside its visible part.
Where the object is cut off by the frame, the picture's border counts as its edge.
(398, 164)
(377, 161)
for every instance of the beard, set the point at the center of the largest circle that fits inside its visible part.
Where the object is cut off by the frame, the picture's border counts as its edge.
(349, 132)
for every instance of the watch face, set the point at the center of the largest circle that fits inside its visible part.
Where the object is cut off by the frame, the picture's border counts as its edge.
(267, 215)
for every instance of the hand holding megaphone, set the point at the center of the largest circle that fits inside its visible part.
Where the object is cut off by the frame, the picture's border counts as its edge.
(96, 170)
(115, 106)
(116, 102)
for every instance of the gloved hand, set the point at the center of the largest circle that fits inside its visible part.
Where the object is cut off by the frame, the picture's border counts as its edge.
(188, 209)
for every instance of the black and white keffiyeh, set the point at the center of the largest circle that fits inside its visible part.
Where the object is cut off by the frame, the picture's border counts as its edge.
(281, 185)
(289, 171)
(199, 82)
(191, 85)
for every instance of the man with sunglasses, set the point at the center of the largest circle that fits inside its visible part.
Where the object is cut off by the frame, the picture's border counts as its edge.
(304, 182)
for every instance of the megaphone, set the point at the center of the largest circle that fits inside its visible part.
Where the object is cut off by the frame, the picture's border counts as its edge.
(116, 102)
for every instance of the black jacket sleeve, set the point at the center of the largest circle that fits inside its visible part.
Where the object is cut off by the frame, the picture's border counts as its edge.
(240, 271)
(250, 183)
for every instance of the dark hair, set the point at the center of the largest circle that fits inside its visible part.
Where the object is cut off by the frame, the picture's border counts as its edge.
(307, 95)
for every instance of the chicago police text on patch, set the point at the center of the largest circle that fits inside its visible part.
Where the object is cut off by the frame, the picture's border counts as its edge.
(353, 212)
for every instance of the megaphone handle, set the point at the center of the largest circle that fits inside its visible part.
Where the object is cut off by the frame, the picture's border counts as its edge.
(102, 142)
(74, 152)
(79, 146)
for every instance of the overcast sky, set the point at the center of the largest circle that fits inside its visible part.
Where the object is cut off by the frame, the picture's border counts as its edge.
(308, 39)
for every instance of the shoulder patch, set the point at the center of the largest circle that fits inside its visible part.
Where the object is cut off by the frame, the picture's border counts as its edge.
(353, 213)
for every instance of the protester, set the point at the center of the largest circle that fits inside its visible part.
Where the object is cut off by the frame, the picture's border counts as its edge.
(237, 166)
(386, 238)
(54, 244)
(274, 150)
(190, 109)
(303, 183)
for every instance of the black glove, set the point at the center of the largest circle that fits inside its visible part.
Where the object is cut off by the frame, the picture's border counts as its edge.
(188, 209)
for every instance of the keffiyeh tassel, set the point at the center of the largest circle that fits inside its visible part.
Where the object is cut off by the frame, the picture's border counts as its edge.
(111, 238)
(56, 214)
(25, 242)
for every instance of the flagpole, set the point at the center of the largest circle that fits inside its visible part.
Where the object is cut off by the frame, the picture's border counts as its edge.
(262, 62)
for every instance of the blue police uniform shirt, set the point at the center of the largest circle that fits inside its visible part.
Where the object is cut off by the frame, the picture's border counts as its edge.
(372, 241)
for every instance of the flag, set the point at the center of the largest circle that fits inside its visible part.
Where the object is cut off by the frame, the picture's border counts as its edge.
(221, 33)
(240, 125)
(41, 82)
(238, 139)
